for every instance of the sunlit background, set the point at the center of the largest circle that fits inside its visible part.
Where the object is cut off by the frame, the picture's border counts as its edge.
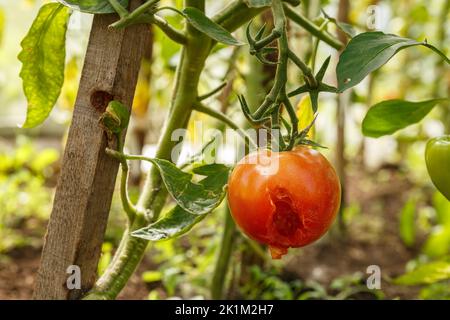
(393, 216)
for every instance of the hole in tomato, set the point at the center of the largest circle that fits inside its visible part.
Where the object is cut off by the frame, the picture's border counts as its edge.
(285, 219)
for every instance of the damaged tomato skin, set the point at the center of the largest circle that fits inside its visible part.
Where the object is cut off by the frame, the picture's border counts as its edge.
(284, 199)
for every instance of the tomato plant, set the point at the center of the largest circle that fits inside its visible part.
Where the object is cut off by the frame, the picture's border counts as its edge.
(290, 207)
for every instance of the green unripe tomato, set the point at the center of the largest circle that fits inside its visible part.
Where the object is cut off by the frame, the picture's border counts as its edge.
(437, 158)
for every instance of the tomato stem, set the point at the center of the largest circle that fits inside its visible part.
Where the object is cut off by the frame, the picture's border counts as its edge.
(225, 119)
(127, 205)
(223, 259)
(312, 28)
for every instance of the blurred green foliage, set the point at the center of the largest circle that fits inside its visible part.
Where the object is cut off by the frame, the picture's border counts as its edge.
(25, 197)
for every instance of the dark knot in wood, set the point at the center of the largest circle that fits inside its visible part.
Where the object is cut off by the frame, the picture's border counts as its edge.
(100, 100)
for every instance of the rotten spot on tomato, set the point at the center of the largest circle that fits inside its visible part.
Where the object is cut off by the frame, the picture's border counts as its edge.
(285, 219)
(286, 223)
(100, 100)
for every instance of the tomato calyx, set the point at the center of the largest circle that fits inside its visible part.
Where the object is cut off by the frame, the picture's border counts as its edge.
(302, 138)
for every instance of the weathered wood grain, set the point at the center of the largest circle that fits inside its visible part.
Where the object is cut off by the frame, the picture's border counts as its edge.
(85, 188)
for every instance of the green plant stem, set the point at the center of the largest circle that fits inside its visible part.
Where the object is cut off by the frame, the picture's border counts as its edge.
(436, 50)
(131, 17)
(256, 248)
(277, 94)
(171, 9)
(309, 26)
(316, 46)
(223, 259)
(172, 33)
(123, 157)
(225, 119)
(237, 13)
(127, 205)
(275, 34)
(140, 15)
(124, 263)
(212, 92)
(284, 54)
(121, 11)
(307, 72)
(294, 121)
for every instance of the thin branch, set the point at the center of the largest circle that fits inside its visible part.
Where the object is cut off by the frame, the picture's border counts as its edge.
(127, 205)
(238, 13)
(121, 11)
(312, 28)
(173, 34)
(307, 72)
(212, 92)
(225, 119)
(131, 17)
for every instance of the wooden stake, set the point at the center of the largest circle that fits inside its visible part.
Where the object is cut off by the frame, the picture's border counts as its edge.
(85, 188)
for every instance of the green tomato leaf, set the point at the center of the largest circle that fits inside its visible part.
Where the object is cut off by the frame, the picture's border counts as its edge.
(258, 3)
(347, 28)
(442, 207)
(426, 274)
(213, 30)
(179, 221)
(435, 291)
(197, 198)
(438, 242)
(93, 6)
(367, 52)
(389, 116)
(43, 58)
(173, 224)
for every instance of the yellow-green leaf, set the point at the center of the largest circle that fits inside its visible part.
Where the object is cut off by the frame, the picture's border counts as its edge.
(305, 115)
(43, 59)
(426, 274)
(213, 30)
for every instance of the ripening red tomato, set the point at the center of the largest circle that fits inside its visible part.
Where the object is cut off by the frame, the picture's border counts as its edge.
(284, 199)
